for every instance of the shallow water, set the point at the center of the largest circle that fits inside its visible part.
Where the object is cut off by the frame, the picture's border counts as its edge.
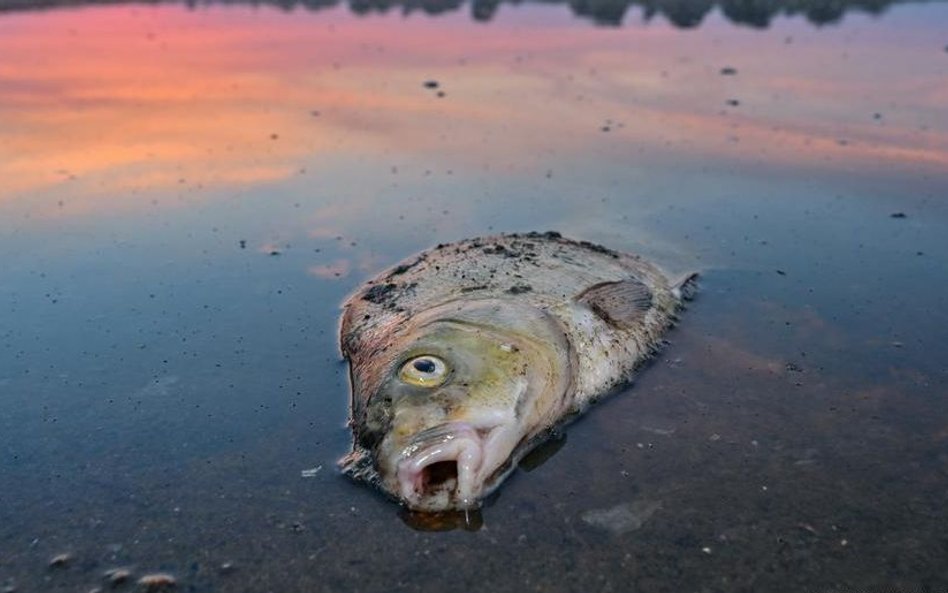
(188, 193)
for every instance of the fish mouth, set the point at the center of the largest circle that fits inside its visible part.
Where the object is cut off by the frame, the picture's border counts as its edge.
(441, 467)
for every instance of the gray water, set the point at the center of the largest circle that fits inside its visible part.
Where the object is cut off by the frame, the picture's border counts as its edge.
(189, 192)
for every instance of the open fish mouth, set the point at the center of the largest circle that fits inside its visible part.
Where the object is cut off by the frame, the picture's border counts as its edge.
(441, 467)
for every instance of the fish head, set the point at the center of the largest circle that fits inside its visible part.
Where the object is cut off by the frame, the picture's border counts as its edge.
(456, 395)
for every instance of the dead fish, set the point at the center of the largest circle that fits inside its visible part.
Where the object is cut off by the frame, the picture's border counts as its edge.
(464, 358)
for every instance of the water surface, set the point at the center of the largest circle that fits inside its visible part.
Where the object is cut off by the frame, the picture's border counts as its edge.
(189, 191)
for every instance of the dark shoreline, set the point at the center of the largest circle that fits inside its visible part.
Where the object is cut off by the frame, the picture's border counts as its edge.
(685, 14)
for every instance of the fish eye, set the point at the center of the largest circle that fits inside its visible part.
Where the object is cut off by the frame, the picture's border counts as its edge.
(424, 371)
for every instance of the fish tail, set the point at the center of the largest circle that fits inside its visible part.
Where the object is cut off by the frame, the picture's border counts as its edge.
(686, 287)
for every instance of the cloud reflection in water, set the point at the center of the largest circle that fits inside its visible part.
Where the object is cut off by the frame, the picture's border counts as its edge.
(107, 112)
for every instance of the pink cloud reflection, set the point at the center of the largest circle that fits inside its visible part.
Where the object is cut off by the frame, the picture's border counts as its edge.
(331, 271)
(105, 104)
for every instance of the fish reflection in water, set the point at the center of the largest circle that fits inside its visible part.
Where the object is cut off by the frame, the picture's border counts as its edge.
(467, 520)
(466, 357)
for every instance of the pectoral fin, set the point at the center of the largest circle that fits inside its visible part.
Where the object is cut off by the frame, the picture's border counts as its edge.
(621, 304)
(358, 465)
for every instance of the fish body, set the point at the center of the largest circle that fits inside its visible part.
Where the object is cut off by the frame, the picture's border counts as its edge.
(467, 356)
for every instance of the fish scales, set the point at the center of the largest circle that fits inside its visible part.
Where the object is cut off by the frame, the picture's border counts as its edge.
(464, 357)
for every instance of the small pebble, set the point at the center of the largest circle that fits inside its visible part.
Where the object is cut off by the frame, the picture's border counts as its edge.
(898, 215)
(706, 550)
(728, 71)
(808, 527)
(60, 560)
(227, 568)
(117, 576)
(431, 84)
(158, 581)
(310, 473)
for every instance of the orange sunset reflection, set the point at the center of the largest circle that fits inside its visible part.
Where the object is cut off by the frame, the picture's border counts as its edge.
(103, 104)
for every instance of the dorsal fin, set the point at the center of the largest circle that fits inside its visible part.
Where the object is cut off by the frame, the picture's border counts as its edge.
(621, 303)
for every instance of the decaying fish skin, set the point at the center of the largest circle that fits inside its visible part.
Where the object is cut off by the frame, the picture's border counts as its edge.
(465, 357)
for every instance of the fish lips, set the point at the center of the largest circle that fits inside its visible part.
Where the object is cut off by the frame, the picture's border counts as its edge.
(442, 467)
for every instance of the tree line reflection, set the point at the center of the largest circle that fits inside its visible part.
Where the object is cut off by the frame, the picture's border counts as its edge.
(681, 13)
